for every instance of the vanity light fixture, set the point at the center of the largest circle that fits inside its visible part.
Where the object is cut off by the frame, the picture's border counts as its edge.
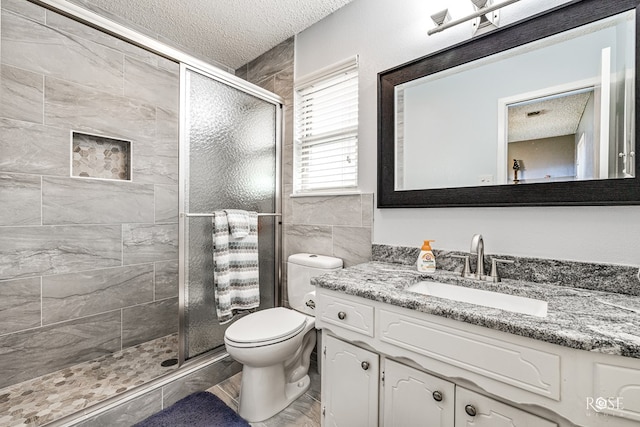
(486, 14)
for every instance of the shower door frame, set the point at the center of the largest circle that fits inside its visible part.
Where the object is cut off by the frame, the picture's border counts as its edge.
(183, 174)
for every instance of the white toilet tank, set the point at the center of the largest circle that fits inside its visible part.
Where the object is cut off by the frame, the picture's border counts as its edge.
(300, 269)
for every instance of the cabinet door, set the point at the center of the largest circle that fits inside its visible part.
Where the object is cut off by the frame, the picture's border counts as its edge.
(414, 398)
(350, 378)
(475, 410)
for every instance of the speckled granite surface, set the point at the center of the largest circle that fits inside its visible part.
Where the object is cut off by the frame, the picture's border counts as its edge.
(598, 277)
(584, 319)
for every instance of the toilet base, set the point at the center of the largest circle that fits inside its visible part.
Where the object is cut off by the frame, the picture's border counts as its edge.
(264, 393)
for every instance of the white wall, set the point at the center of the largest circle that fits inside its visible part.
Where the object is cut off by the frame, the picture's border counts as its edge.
(387, 33)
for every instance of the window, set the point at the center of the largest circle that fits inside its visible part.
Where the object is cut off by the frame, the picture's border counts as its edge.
(326, 143)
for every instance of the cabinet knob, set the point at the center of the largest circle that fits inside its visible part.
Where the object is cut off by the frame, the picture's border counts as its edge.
(470, 410)
(437, 396)
(364, 365)
(342, 315)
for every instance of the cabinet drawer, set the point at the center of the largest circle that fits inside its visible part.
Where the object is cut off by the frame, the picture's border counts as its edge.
(347, 314)
(481, 411)
(616, 391)
(517, 365)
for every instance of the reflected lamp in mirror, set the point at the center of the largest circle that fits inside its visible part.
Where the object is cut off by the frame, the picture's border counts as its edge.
(554, 93)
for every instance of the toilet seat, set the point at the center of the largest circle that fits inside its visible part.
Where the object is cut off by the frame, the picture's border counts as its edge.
(265, 327)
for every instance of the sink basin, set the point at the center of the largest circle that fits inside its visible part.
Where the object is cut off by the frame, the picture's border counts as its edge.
(506, 302)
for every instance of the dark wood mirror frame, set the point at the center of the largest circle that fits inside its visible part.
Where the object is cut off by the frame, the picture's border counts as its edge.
(622, 191)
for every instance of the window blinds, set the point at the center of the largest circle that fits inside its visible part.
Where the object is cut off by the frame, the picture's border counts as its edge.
(326, 156)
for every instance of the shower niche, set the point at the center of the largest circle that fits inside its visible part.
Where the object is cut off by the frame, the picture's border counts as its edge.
(100, 157)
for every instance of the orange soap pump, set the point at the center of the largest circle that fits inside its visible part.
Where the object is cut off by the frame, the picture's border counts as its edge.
(426, 261)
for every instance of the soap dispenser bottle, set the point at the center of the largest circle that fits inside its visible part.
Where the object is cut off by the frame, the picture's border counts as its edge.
(426, 261)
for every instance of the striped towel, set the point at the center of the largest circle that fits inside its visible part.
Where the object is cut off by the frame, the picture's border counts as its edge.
(235, 265)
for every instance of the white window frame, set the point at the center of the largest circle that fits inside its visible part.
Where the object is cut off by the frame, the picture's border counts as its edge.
(304, 182)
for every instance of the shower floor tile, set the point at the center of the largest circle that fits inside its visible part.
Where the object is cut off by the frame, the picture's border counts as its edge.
(61, 393)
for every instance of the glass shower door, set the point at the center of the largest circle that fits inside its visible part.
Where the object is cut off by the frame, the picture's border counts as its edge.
(229, 154)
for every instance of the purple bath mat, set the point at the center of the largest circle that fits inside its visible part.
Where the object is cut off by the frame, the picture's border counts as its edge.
(201, 409)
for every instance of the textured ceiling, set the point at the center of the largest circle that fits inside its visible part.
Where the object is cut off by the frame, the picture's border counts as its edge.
(231, 32)
(549, 117)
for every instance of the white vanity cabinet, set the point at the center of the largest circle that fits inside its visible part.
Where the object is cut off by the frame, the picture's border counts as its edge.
(483, 377)
(350, 376)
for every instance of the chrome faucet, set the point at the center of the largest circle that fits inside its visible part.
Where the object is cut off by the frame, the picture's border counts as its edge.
(477, 248)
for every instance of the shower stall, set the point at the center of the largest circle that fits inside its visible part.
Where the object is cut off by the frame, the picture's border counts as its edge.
(228, 160)
(112, 163)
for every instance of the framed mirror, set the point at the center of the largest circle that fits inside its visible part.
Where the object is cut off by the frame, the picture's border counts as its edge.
(540, 112)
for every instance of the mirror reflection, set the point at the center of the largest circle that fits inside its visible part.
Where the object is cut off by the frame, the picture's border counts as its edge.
(558, 109)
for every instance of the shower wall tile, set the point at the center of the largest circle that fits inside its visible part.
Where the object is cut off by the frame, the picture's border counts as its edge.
(287, 166)
(144, 243)
(22, 94)
(166, 280)
(70, 26)
(283, 85)
(32, 148)
(151, 84)
(70, 296)
(200, 380)
(20, 195)
(72, 106)
(30, 251)
(149, 321)
(19, 304)
(87, 201)
(308, 238)
(32, 46)
(352, 244)
(166, 202)
(32, 353)
(129, 413)
(159, 164)
(334, 210)
(24, 8)
(271, 62)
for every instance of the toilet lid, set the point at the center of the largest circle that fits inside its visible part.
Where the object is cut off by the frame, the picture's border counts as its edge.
(266, 325)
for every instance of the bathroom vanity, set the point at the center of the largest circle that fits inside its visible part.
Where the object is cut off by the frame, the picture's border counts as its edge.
(394, 357)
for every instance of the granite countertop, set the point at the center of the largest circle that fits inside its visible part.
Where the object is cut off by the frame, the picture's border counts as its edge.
(589, 320)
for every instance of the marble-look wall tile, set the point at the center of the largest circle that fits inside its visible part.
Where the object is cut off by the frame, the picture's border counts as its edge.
(283, 85)
(25, 8)
(72, 106)
(36, 352)
(60, 22)
(242, 72)
(308, 238)
(70, 296)
(32, 46)
(31, 251)
(150, 84)
(333, 210)
(271, 62)
(32, 148)
(20, 195)
(19, 304)
(287, 166)
(352, 244)
(166, 280)
(129, 413)
(200, 380)
(158, 163)
(144, 243)
(367, 210)
(166, 201)
(87, 201)
(22, 93)
(149, 321)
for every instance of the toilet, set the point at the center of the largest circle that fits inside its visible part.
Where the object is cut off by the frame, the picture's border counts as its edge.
(275, 344)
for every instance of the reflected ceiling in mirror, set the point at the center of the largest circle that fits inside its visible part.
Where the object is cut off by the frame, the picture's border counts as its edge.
(541, 112)
(529, 102)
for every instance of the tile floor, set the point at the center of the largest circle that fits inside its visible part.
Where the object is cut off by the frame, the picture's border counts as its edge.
(304, 412)
(61, 393)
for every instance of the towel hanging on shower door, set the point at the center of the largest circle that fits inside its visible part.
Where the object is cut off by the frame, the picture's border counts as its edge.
(235, 262)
